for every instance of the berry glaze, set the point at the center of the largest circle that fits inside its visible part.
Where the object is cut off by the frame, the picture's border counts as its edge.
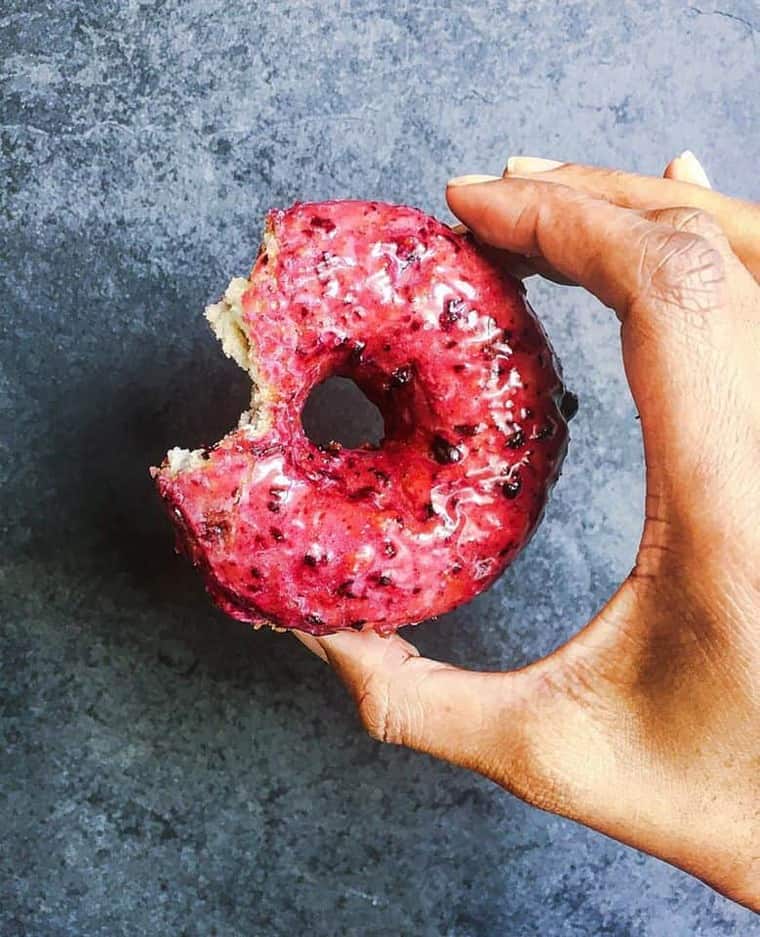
(446, 346)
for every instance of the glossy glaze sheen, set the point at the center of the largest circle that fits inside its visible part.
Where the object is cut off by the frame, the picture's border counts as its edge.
(448, 349)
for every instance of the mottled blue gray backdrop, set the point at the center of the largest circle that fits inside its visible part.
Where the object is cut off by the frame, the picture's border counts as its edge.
(165, 770)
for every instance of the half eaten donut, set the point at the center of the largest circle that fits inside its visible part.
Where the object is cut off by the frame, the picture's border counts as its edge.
(293, 535)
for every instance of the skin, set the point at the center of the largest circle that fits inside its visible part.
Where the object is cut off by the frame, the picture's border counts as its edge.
(646, 724)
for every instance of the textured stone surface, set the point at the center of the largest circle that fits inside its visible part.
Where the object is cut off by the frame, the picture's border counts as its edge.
(164, 770)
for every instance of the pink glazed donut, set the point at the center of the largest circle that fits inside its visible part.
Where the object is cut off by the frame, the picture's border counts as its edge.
(293, 535)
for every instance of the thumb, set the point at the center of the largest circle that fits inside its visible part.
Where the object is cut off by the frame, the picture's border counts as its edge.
(467, 718)
(521, 729)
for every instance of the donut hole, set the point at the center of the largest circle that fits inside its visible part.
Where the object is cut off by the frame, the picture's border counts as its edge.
(337, 410)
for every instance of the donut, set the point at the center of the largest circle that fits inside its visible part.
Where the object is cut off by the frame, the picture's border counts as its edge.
(324, 538)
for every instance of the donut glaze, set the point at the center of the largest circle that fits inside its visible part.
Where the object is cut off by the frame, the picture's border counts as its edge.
(445, 345)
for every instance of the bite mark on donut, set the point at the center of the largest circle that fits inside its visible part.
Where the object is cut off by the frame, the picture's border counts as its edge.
(227, 322)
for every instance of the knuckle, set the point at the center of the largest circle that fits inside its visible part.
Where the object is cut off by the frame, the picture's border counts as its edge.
(374, 705)
(699, 221)
(682, 268)
(675, 253)
(391, 705)
(617, 187)
(689, 221)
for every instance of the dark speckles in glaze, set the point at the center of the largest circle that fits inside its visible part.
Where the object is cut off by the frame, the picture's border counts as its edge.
(516, 440)
(215, 526)
(452, 313)
(357, 350)
(408, 251)
(345, 589)
(325, 224)
(332, 448)
(435, 479)
(363, 493)
(546, 431)
(512, 487)
(444, 452)
(401, 376)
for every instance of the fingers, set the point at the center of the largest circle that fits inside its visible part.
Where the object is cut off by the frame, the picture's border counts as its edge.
(685, 185)
(687, 168)
(629, 190)
(607, 250)
(669, 274)
(514, 264)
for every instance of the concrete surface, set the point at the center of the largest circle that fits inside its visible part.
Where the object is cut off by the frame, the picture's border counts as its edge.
(164, 770)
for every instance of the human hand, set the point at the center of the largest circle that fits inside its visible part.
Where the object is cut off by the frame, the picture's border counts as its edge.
(646, 724)
(687, 186)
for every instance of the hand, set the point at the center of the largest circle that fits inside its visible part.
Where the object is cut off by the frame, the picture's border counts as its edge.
(646, 724)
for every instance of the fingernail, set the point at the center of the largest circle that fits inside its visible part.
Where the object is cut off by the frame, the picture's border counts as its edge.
(471, 180)
(517, 165)
(310, 642)
(695, 170)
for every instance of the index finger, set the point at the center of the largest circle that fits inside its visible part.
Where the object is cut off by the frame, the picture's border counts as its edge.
(592, 242)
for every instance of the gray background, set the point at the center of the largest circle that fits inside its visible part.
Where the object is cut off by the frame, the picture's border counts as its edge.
(165, 770)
